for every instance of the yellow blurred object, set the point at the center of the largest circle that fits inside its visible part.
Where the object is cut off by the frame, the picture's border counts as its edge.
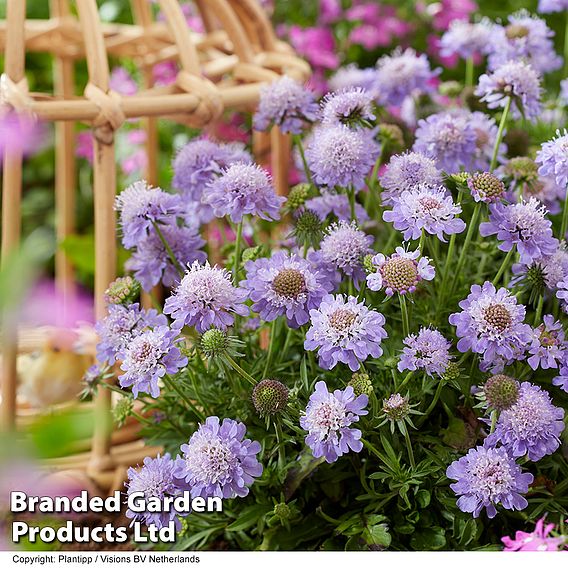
(53, 373)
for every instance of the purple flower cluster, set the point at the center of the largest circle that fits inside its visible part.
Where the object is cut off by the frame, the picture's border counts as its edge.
(425, 207)
(351, 76)
(523, 225)
(218, 461)
(352, 107)
(285, 284)
(491, 324)
(486, 477)
(466, 39)
(148, 357)
(532, 426)
(428, 350)
(340, 156)
(287, 104)
(243, 189)
(551, 6)
(206, 298)
(328, 418)
(553, 160)
(344, 330)
(548, 348)
(400, 273)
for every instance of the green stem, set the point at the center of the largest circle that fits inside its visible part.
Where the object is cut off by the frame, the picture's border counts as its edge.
(171, 383)
(298, 141)
(169, 250)
(447, 266)
(538, 312)
(279, 441)
(286, 343)
(469, 235)
(493, 421)
(564, 224)
(237, 260)
(271, 342)
(503, 266)
(351, 196)
(239, 370)
(405, 381)
(408, 444)
(469, 70)
(500, 132)
(373, 184)
(434, 402)
(421, 242)
(404, 312)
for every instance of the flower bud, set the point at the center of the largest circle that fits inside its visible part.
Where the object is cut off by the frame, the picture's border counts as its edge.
(124, 290)
(269, 397)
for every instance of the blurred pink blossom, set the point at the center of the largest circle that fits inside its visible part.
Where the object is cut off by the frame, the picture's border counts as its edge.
(330, 11)
(164, 73)
(122, 82)
(537, 541)
(19, 133)
(447, 10)
(84, 145)
(317, 45)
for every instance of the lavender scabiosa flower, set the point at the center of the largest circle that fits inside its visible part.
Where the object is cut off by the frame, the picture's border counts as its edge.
(151, 263)
(525, 38)
(428, 350)
(562, 293)
(486, 187)
(335, 204)
(551, 6)
(448, 138)
(285, 285)
(338, 155)
(140, 206)
(491, 324)
(218, 461)
(155, 479)
(344, 247)
(400, 273)
(206, 298)
(486, 477)
(523, 225)
(243, 189)
(515, 79)
(328, 418)
(561, 380)
(553, 159)
(532, 426)
(536, 541)
(425, 207)
(344, 330)
(406, 171)
(548, 348)
(287, 104)
(352, 107)
(120, 326)
(466, 39)
(198, 163)
(148, 357)
(402, 74)
(352, 76)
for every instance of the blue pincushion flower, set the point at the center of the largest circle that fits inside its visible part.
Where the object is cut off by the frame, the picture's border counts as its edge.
(218, 461)
(352, 106)
(327, 419)
(428, 350)
(548, 348)
(553, 160)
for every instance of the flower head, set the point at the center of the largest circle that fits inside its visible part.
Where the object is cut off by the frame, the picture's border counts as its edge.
(561, 380)
(148, 357)
(551, 6)
(285, 285)
(243, 189)
(344, 247)
(155, 479)
(491, 324)
(548, 348)
(352, 76)
(553, 159)
(402, 74)
(218, 461)
(448, 138)
(466, 39)
(287, 104)
(328, 418)
(361, 384)
(401, 272)
(120, 326)
(486, 187)
(344, 330)
(151, 262)
(123, 290)
(396, 407)
(536, 541)
(428, 350)
(523, 225)
(140, 206)
(532, 426)
(206, 298)
(501, 392)
(425, 207)
(486, 477)
(352, 107)
(405, 171)
(338, 155)
(269, 397)
(515, 79)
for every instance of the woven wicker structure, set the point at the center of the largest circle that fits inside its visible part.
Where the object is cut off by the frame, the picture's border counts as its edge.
(221, 69)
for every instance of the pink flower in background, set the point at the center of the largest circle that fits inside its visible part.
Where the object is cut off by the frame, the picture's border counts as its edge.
(164, 73)
(122, 82)
(233, 129)
(135, 163)
(317, 45)
(330, 11)
(84, 146)
(19, 133)
(136, 137)
(537, 541)
(448, 10)
(433, 49)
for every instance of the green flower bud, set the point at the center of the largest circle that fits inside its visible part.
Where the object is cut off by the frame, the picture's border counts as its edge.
(361, 384)
(501, 391)
(124, 290)
(269, 397)
(298, 195)
(122, 410)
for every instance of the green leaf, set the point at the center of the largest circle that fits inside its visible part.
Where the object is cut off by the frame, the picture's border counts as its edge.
(429, 539)
(249, 517)
(377, 535)
(423, 498)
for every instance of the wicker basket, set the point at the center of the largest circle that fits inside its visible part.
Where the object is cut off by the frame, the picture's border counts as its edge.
(223, 68)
